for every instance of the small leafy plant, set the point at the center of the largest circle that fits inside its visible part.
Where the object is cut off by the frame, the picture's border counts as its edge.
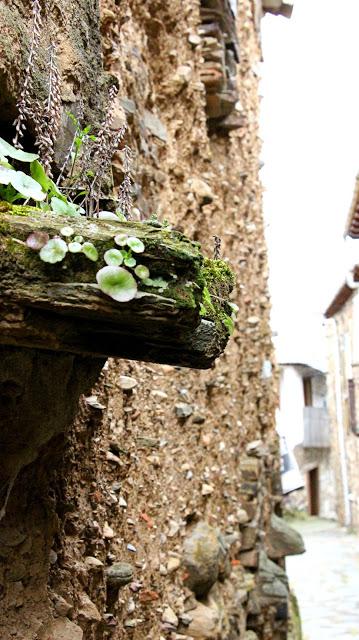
(37, 187)
(121, 275)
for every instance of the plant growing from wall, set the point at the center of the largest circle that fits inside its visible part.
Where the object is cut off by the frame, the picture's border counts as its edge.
(87, 164)
(121, 275)
(83, 178)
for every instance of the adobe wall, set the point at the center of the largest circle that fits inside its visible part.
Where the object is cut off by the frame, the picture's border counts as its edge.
(162, 461)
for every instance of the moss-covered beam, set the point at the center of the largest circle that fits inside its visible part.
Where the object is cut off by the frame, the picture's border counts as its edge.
(59, 307)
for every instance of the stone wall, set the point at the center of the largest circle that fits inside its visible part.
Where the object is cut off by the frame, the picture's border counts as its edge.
(344, 333)
(154, 516)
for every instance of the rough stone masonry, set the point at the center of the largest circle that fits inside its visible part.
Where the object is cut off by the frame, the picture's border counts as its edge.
(156, 514)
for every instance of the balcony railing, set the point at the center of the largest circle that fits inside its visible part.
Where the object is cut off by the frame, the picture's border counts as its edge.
(316, 427)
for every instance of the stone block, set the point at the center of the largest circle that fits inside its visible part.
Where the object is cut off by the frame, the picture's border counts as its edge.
(204, 622)
(272, 582)
(251, 509)
(249, 537)
(249, 558)
(203, 555)
(250, 468)
(283, 540)
(248, 490)
(256, 448)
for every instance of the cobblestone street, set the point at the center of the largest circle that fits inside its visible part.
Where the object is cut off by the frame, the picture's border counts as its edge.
(326, 581)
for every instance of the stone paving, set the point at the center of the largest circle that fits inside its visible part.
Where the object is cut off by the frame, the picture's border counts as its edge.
(326, 580)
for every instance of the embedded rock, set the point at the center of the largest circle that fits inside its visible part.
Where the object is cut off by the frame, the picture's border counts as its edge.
(88, 612)
(249, 537)
(61, 629)
(169, 617)
(283, 540)
(183, 410)
(204, 622)
(272, 589)
(203, 556)
(119, 574)
(249, 558)
(256, 448)
(154, 125)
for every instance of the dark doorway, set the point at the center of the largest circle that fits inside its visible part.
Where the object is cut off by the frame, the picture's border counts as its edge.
(313, 492)
(308, 392)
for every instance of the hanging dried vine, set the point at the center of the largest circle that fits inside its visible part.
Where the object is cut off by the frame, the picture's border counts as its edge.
(24, 103)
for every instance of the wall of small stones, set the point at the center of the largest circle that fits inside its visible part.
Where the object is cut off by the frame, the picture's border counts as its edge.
(157, 517)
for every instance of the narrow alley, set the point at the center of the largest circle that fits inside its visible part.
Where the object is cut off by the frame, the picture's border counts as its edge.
(325, 580)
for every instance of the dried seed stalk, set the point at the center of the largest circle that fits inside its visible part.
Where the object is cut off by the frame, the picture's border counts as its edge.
(105, 127)
(48, 115)
(72, 145)
(217, 248)
(107, 143)
(103, 161)
(24, 103)
(125, 195)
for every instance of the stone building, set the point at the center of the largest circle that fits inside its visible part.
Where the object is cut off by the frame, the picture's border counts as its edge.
(303, 421)
(152, 509)
(343, 376)
(343, 370)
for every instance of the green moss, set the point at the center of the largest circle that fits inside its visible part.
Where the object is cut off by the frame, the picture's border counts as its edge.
(295, 624)
(185, 296)
(17, 209)
(217, 281)
(218, 274)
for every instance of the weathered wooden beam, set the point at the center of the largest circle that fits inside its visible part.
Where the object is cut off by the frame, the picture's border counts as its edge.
(60, 307)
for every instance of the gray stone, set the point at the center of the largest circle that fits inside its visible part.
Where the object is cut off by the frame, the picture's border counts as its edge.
(183, 410)
(127, 383)
(155, 126)
(282, 540)
(256, 448)
(119, 574)
(254, 603)
(93, 564)
(249, 537)
(128, 105)
(275, 589)
(242, 516)
(204, 556)
(272, 581)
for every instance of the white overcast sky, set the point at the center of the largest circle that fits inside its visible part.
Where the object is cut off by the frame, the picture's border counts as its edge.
(310, 132)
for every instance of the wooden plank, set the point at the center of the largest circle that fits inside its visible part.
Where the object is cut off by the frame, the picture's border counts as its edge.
(59, 307)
